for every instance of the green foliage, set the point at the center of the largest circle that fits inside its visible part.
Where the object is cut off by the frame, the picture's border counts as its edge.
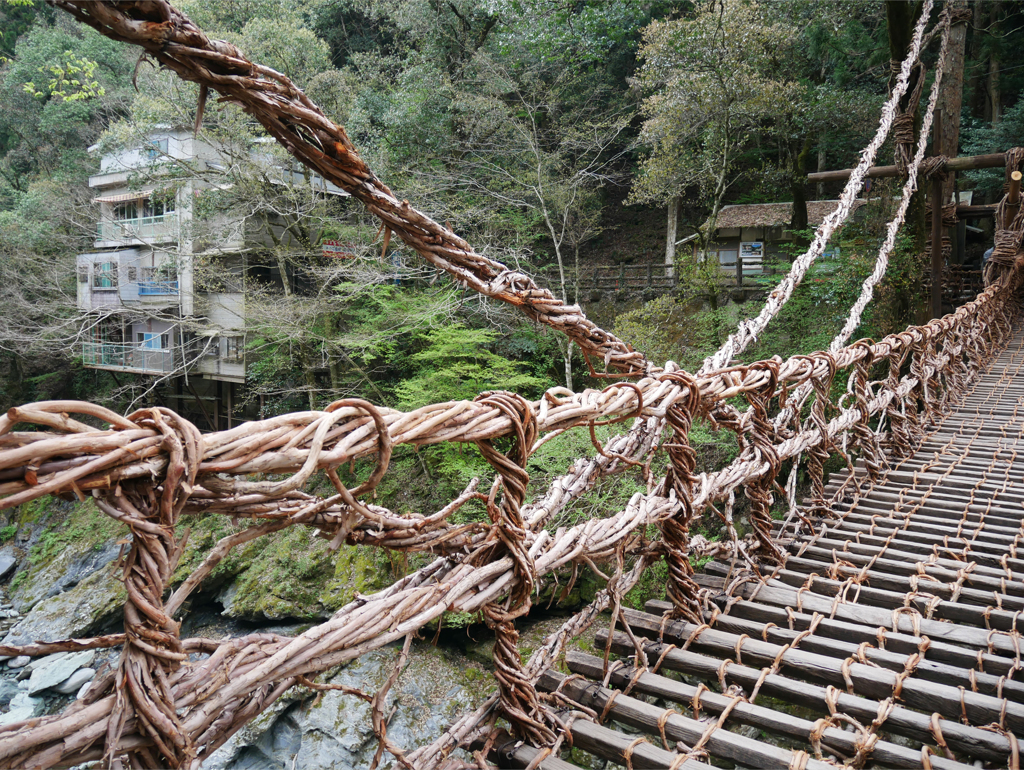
(8, 532)
(713, 79)
(669, 329)
(71, 80)
(455, 363)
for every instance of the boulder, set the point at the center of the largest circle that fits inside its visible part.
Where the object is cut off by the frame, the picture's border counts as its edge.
(8, 690)
(72, 565)
(74, 682)
(435, 689)
(86, 608)
(8, 561)
(54, 669)
(23, 706)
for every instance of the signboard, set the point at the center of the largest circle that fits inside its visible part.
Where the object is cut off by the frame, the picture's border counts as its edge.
(337, 249)
(751, 251)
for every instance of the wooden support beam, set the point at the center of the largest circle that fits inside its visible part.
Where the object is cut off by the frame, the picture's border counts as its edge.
(967, 163)
(510, 753)
(935, 194)
(979, 211)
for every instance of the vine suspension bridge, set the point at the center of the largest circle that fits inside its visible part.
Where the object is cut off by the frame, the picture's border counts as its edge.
(887, 605)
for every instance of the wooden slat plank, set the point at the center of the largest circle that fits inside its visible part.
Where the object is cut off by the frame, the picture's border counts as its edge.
(973, 741)
(644, 716)
(871, 681)
(779, 722)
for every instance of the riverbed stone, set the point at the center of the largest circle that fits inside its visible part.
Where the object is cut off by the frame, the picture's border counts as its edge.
(88, 607)
(23, 706)
(8, 689)
(436, 687)
(54, 669)
(74, 682)
(8, 561)
(19, 662)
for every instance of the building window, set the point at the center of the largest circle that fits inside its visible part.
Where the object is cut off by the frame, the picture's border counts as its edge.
(153, 340)
(158, 207)
(104, 275)
(126, 210)
(233, 349)
(157, 148)
(132, 275)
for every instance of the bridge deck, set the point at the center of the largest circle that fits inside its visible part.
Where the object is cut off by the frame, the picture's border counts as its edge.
(890, 638)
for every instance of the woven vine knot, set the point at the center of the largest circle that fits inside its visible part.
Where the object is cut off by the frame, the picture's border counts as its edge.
(519, 701)
(759, 438)
(682, 590)
(150, 507)
(903, 123)
(819, 453)
(865, 437)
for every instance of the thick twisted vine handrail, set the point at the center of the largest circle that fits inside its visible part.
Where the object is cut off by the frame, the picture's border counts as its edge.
(170, 38)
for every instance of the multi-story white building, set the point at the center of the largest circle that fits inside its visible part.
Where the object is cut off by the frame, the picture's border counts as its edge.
(146, 312)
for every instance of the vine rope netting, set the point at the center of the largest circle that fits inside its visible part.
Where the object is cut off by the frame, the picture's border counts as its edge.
(173, 701)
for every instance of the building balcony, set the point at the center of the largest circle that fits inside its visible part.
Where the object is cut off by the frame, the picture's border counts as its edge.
(154, 228)
(153, 288)
(126, 357)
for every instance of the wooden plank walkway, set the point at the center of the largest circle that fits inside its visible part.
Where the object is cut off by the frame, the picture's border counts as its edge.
(891, 638)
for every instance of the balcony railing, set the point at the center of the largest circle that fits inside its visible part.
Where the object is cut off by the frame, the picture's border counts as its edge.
(128, 357)
(139, 228)
(157, 287)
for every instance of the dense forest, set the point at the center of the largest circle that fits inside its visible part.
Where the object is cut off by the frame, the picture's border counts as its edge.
(553, 135)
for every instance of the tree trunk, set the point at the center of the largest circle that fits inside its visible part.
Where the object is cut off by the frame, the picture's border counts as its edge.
(308, 375)
(977, 91)
(556, 241)
(671, 235)
(797, 187)
(950, 102)
(900, 19)
(992, 83)
(820, 192)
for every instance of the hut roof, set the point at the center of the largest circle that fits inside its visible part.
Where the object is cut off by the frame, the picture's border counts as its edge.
(775, 214)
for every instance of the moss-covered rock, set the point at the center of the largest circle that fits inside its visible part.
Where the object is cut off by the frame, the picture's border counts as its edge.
(290, 574)
(89, 607)
(61, 545)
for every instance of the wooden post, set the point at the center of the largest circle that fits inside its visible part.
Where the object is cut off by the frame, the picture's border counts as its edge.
(935, 193)
(739, 263)
(621, 283)
(1012, 199)
(216, 405)
(650, 274)
(670, 241)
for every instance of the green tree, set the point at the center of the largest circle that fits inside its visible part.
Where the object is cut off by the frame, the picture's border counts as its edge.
(714, 81)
